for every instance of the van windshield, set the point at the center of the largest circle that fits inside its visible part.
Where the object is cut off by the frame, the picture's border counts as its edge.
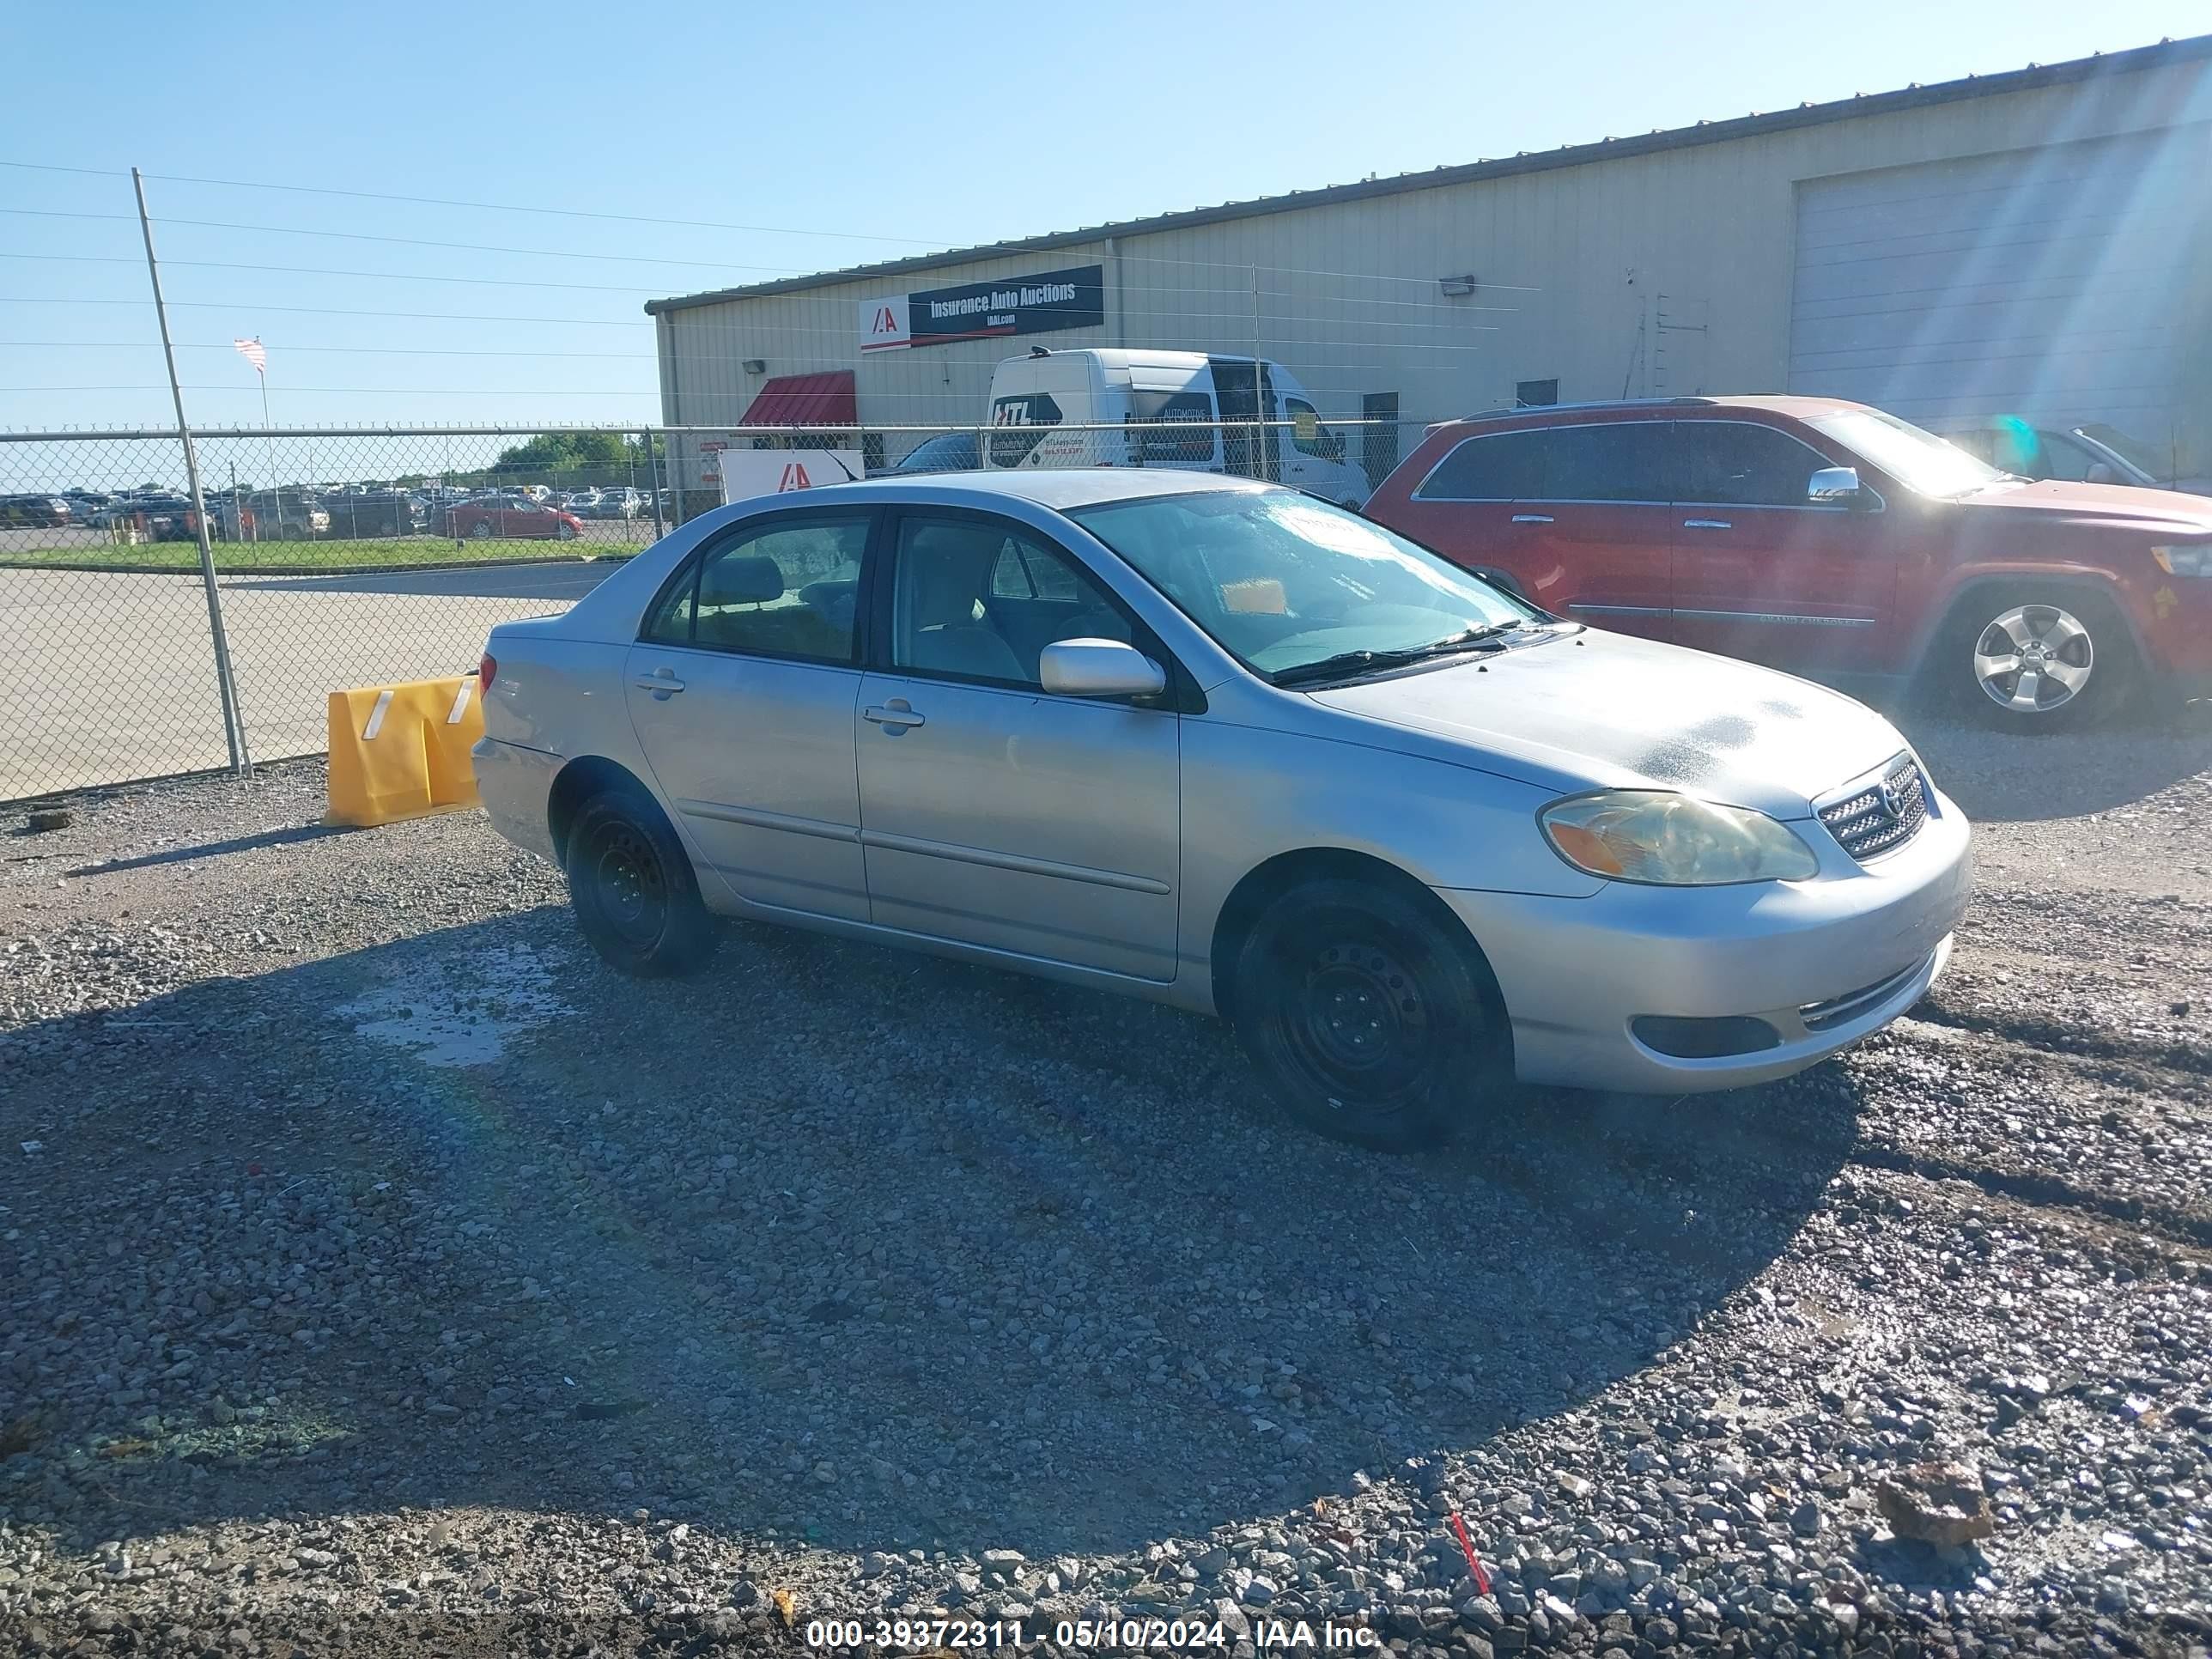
(1282, 581)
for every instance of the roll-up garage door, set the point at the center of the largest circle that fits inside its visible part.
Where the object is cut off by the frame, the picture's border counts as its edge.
(2049, 282)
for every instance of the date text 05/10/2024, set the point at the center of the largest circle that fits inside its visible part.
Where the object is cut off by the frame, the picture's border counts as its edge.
(1114, 1634)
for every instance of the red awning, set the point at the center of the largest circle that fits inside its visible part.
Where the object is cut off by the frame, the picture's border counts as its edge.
(824, 399)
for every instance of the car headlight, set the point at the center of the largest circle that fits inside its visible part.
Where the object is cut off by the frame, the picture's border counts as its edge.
(2184, 560)
(1673, 841)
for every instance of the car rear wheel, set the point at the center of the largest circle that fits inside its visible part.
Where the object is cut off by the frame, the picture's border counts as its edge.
(635, 897)
(1370, 1018)
(2032, 660)
(480, 530)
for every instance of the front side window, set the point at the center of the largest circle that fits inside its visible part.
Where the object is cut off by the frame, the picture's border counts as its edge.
(1017, 424)
(1306, 434)
(1737, 464)
(1282, 581)
(980, 599)
(789, 589)
(1919, 460)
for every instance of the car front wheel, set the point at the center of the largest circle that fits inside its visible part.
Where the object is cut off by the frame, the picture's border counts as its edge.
(564, 532)
(1371, 1018)
(2033, 660)
(480, 530)
(633, 889)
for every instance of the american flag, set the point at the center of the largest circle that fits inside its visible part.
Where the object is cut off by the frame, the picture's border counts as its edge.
(252, 351)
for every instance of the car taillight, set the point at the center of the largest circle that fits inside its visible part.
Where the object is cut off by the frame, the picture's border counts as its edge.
(486, 670)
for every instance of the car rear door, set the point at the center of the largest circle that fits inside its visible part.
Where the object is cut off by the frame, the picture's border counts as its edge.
(1596, 534)
(741, 690)
(995, 813)
(1763, 572)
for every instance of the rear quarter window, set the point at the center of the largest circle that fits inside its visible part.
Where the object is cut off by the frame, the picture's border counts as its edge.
(1493, 466)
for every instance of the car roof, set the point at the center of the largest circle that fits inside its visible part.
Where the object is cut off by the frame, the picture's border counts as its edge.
(1546, 413)
(1059, 489)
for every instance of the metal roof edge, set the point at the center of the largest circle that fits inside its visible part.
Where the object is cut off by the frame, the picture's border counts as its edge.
(2132, 59)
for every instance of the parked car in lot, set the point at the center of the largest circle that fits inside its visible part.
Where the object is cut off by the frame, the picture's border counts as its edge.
(948, 451)
(624, 503)
(512, 516)
(2078, 452)
(271, 515)
(377, 512)
(1830, 539)
(1215, 742)
(39, 512)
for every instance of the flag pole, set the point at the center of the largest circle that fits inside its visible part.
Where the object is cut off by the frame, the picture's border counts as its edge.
(233, 725)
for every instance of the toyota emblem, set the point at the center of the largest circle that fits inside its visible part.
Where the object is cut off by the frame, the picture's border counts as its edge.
(1892, 802)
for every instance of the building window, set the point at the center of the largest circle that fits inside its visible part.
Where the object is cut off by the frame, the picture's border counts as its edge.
(1535, 394)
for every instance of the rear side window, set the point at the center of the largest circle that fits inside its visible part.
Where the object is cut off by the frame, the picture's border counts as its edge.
(788, 589)
(1014, 423)
(1617, 461)
(1737, 464)
(1498, 466)
(1166, 448)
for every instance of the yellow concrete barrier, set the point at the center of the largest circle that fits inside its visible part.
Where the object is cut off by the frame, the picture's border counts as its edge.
(400, 752)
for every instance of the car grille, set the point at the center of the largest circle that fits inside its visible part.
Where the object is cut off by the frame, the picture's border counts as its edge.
(1882, 816)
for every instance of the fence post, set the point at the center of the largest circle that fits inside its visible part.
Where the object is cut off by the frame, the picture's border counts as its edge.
(652, 478)
(233, 726)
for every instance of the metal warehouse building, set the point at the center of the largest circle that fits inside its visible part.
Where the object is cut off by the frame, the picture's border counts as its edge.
(2037, 242)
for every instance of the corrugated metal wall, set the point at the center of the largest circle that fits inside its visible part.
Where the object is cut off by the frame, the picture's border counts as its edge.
(1665, 272)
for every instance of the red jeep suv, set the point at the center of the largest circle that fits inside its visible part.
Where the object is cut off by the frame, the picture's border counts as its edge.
(1829, 539)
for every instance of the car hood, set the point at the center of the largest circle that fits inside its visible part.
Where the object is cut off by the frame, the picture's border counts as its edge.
(1602, 710)
(2164, 512)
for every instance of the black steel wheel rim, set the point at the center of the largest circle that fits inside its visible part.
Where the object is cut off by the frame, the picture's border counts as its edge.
(1358, 1022)
(631, 886)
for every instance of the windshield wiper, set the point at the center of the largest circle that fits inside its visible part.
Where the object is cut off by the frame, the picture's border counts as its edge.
(1345, 664)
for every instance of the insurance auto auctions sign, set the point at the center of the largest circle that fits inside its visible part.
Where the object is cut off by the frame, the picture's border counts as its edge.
(1054, 299)
(750, 473)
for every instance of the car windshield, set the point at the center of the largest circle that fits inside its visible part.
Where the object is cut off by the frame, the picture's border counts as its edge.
(2133, 451)
(1919, 460)
(1282, 581)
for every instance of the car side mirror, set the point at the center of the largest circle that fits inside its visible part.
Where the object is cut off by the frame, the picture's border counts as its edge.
(2101, 472)
(1099, 668)
(1835, 483)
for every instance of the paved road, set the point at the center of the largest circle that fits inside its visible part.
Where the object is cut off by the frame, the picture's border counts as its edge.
(107, 678)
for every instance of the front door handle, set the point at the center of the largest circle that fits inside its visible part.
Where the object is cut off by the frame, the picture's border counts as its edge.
(894, 717)
(1707, 523)
(1532, 518)
(662, 682)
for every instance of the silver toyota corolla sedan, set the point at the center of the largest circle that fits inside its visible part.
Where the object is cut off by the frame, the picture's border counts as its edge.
(1220, 745)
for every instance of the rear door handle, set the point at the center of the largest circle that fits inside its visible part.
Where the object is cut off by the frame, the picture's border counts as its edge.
(1707, 523)
(1532, 518)
(894, 718)
(662, 682)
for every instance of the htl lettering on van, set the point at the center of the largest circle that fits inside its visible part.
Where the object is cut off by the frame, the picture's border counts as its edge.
(1251, 419)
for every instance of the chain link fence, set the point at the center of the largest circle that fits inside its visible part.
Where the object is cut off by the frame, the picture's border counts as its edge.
(335, 557)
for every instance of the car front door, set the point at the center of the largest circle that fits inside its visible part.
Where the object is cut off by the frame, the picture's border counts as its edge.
(994, 812)
(1762, 571)
(741, 688)
(1596, 534)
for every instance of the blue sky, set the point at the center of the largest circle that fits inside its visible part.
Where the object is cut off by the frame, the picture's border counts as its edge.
(898, 128)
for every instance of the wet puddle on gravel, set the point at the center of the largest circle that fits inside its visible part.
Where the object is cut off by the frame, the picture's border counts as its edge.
(460, 1011)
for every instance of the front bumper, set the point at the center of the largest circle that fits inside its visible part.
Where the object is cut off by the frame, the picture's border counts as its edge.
(1824, 963)
(516, 785)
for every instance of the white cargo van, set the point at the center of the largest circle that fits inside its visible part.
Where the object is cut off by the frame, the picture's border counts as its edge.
(1115, 388)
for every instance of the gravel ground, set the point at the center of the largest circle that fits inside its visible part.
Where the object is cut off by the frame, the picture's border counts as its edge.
(379, 1274)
